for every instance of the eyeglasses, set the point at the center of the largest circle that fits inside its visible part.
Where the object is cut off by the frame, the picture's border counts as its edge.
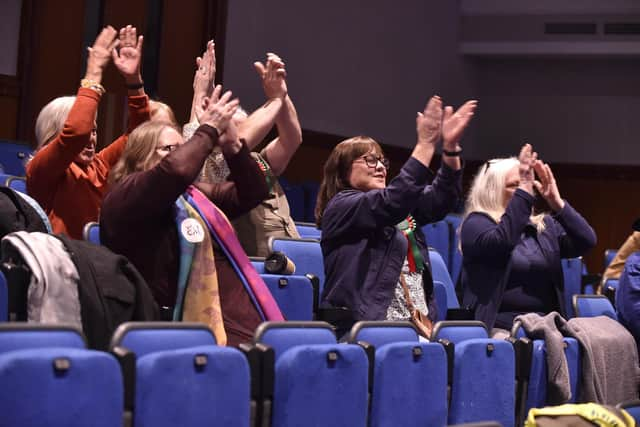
(167, 148)
(372, 160)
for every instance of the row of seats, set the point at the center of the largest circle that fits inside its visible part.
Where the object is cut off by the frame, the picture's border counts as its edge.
(294, 373)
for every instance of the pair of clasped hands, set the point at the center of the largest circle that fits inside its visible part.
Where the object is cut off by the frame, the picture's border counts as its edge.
(530, 166)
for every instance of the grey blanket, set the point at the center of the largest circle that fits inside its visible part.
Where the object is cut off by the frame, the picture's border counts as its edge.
(548, 328)
(610, 372)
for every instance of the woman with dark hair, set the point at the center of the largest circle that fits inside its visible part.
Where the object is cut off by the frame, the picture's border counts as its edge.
(374, 252)
(181, 242)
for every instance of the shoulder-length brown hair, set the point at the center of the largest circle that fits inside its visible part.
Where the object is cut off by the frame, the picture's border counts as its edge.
(338, 167)
(139, 151)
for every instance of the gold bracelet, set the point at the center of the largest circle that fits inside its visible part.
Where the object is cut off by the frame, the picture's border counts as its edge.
(90, 84)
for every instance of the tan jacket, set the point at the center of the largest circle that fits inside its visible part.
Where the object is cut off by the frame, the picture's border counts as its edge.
(631, 245)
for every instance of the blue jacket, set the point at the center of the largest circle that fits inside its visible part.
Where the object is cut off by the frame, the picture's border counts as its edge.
(628, 296)
(362, 248)
(487, 248)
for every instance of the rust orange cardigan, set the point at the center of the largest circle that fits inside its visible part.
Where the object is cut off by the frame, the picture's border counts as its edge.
(70, 194)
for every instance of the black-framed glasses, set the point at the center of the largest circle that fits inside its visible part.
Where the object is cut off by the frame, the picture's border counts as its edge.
(372, 160)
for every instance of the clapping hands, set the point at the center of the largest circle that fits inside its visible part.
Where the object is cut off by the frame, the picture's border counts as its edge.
(125, 48)
(429, 122)
(455, 123)
(547, 186)
(217, 110)
(528, 159)
(273, 75)
(530, 166)
(128, 56)
(205, 72)
(100, 53)
(434, 122)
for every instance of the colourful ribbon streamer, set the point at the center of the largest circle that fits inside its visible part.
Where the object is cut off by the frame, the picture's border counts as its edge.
(414, 256)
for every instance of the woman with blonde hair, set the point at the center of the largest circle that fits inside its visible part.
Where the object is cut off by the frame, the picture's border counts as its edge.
(511, 258)
(162, 112)
(178, 235)
(66, 175)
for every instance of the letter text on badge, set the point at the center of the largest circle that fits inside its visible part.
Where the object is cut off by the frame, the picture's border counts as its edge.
(192, 230)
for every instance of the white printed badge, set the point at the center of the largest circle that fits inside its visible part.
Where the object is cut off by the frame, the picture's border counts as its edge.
(192, 230)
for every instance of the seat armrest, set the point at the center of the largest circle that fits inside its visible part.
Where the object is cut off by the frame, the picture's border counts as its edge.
(127, 360)
(261, 359)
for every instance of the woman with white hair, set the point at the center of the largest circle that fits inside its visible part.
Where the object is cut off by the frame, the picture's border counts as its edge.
(511, 258)
(66, 175)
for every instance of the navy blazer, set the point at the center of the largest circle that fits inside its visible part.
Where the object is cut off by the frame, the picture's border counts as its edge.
(487, 248)
(362, 248)
(628, 296)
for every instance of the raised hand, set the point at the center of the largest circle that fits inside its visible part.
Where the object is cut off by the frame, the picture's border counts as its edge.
(528, 159)
(217, 111)
(128, 57)
(273, 75)
(455, 123)
(429, 122)
(205, 71)
(100, 53)
(203, 78)
(547, 186)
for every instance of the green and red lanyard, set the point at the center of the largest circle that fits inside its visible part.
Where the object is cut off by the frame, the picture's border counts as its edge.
(414, 256)
(266, 170)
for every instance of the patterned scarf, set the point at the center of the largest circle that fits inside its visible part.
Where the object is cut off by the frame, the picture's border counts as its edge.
(222, 231)
(198, 295)
(198, 292)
